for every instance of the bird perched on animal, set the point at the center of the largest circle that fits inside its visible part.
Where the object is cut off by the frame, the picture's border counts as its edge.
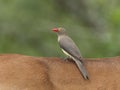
(71, 50)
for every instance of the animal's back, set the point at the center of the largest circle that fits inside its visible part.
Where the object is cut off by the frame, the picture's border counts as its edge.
(19, 72)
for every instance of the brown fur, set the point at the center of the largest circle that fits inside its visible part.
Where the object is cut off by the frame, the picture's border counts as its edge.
(19, 72)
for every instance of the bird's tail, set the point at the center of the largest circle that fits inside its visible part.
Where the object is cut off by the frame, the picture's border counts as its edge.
(82, 69)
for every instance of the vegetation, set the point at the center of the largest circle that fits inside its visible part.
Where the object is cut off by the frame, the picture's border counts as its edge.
(25, 26)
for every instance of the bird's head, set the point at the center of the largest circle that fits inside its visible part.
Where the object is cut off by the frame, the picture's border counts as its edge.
(59, 30)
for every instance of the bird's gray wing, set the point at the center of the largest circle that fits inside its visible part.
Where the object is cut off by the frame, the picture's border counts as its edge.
(67, 44)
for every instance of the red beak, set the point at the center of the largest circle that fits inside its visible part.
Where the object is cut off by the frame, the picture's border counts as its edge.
(55, 29)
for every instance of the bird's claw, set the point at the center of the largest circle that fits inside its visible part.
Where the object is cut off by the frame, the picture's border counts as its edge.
(68, 59)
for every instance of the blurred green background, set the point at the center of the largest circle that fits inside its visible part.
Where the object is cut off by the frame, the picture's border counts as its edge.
(25, 26)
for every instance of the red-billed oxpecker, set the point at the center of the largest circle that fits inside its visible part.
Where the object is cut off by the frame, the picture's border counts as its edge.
(71, 50)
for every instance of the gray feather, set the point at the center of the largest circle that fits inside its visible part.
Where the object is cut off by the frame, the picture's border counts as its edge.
(69, 46)
(82, 69)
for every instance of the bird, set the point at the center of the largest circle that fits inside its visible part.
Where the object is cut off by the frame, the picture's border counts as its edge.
(70, 49)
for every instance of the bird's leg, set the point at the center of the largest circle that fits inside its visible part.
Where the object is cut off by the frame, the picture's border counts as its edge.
(68, 59)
